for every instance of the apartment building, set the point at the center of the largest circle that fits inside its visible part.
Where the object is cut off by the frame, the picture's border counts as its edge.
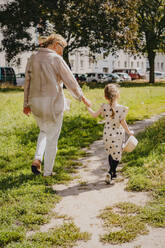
(82, 61)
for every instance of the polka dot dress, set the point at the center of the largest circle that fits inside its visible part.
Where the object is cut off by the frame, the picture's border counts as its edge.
(114, 134)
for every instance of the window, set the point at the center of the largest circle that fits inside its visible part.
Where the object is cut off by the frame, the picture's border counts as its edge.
(118, 63)
(105, 69)
(131, 64)
(81, 63)
(104, 55)
(90, 62)
(138, 64)
(125, 64)
(162, 66)
(142, 64)
(18, 61)
(72, 63)
(158, 65)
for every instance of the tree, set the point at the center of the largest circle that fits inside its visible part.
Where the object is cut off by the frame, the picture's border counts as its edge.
(151, 30)
(96, 24)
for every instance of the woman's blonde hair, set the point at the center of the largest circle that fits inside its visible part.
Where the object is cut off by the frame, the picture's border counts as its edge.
(111, 92)
(45, 41)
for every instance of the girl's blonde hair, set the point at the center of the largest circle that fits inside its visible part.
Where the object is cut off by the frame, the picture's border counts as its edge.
(111, 93)
(45, 41)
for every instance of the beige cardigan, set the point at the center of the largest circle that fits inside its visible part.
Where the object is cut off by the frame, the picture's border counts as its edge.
(43, 88)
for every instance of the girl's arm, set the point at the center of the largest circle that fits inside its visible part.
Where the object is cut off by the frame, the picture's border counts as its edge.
(94, 114)
(125, 126)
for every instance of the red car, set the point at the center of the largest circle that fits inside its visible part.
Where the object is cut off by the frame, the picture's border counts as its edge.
(133, 73)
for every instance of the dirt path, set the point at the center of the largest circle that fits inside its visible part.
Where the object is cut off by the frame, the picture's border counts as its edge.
(84, 197)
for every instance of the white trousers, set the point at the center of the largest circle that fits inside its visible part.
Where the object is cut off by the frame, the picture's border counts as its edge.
(47, 142)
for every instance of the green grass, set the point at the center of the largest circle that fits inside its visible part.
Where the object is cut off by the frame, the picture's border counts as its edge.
(26, 200)
(64, 236)
(146, 165)
(143, 102)
(129, 226)
(145, 169)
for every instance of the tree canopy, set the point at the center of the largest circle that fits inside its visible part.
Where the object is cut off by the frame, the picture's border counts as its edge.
(150, 17)
(136, 26)
(94, 24)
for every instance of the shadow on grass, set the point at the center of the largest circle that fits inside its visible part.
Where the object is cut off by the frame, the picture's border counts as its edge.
(11, 89)
(11, 181)
(77, 132)
(93, 85)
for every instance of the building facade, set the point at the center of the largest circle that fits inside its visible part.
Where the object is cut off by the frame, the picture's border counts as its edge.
(82, 61)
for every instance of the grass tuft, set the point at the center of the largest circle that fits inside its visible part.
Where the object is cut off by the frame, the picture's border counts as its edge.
(130, 225)
(64, 236)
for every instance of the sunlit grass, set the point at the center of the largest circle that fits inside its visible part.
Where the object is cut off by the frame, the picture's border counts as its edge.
(26, 200)
(64, 236)
(145, 169)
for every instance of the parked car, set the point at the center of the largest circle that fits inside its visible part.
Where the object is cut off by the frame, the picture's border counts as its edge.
(133, 73)
(158, 75)
(76, 76)
(80, 77)
(124, 76)
(7, 74)
(94, 77)
(20, 78)
(111, 77)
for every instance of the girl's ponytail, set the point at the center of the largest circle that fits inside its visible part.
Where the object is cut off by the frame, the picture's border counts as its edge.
(111, 93)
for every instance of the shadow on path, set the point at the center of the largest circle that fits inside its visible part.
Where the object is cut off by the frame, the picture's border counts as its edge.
(79, 189)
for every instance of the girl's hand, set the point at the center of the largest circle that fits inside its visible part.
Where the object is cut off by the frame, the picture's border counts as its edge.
(86, 101)
(131, 133)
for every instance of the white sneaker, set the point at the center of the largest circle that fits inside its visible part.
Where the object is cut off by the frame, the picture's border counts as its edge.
(108, 179)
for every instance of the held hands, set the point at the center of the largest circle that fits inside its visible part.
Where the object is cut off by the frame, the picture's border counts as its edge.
(131, 133)
(86, 101)
(27, 111)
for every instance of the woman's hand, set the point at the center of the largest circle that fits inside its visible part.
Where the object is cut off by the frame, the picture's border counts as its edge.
(86, 101)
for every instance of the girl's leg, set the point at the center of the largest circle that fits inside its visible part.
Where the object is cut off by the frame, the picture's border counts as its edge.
(113, 165)
(116, 162)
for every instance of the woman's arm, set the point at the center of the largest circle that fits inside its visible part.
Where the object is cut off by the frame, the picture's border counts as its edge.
(94, 114)
(125, 126)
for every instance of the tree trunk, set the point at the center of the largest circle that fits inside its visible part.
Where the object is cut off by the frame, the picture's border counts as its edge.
(151, 58)
(66, 57)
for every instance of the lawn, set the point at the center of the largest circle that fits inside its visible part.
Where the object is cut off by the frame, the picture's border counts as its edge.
(25, 200)
(145, 168)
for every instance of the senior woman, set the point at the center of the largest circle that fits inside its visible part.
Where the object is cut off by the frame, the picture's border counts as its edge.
(46, 71)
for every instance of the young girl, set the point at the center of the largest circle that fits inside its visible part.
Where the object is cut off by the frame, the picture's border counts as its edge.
(115, 124)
